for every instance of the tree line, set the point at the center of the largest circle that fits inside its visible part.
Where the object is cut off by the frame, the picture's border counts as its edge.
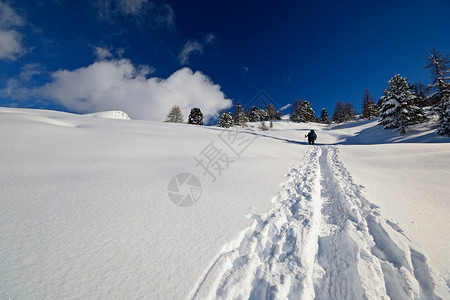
(227, 119)
(401, 105)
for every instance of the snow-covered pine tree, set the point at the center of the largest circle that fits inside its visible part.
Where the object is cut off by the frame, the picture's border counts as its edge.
(324, 118)
(439, 64)
(278, 114)
(239, 115)
(195, 117)
(302, 111)
(306, 112)
(444, 118)
(417, 114)
(263, 115)
(369, 108)
(175, 115)
(395, 111)
(226, 120)
(254, 115)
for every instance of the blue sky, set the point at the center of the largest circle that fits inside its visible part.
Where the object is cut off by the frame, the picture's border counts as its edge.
(144, 56)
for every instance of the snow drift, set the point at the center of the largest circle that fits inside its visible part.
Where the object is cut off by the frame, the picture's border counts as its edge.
(112, 114)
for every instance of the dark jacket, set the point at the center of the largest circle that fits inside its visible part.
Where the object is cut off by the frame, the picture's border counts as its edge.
(312, 135)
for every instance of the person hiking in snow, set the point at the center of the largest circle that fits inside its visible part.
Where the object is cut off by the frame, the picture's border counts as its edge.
(312, 136)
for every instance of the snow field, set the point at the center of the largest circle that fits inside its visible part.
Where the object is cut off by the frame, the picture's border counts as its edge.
(366, 254)
(273, 258)
(84, 212)
(409, 182)
(322, 240)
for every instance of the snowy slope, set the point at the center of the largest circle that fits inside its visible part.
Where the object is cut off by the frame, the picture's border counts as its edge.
(84, 211)
(322, 240)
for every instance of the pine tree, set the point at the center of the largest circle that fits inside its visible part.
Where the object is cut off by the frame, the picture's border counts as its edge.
(444, 118)
(439, 63)
(417, 114)
(226, 120)
(195, 117)
(369, 108)
(396, 111)
(302, 111)
(306, 112)
(343, 112)
(278, 114)
(254, 115)
(379, 103)
(421, 91)
(239, 115)
(271, 112)
(175, 115)
(349, 112)
(295, 111)
(339, 113)
(324, 118)
(263, 115)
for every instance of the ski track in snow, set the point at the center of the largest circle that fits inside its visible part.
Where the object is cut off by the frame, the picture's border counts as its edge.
(321, 240)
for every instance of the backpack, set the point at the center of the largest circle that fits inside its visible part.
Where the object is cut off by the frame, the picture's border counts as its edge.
(313, 135)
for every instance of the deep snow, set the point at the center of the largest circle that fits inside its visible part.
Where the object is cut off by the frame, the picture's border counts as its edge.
(84, 209)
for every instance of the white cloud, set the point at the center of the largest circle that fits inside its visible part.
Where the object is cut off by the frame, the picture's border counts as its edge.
(119, 85)
(158, 15)
(106, 53)
(8, 17)
(162, 15)
(191, 47)
(10, 44)
(10, 39)
(30, 70)
(285, 107)
(102, 53)
(131, 7)
(209, 38)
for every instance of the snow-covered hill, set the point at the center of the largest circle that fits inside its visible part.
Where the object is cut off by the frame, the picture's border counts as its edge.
(85, 210)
